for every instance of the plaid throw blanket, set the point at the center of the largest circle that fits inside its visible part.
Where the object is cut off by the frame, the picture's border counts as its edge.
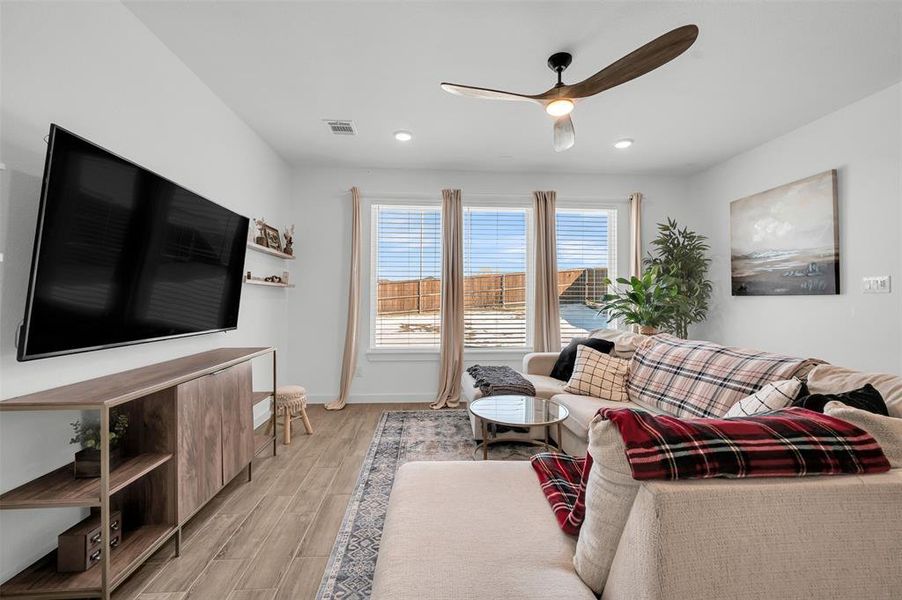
(793, 442)
(690, 378)
(563, 480)
(497, 381)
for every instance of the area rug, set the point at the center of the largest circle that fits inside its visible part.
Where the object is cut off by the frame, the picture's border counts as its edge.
(400, 437)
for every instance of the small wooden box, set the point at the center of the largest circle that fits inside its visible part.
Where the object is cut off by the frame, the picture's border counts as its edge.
(78, 548)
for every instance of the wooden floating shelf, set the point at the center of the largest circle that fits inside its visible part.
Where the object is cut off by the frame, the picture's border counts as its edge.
(42, 579)
(270, 251)
(59, 488)
(268, 283)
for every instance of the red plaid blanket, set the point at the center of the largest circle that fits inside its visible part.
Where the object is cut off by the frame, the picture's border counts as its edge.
(793, 442)
(563, 480)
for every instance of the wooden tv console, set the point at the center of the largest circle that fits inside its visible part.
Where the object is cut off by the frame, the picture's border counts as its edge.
(191, 431)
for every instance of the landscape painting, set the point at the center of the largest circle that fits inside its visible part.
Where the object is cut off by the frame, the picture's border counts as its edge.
(785, 241)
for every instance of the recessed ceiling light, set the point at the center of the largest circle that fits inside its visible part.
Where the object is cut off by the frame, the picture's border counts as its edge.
(559, 108)
(623, 144)
(403, 136)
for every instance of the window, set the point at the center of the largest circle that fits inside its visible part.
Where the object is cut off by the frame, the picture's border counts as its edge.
(495, 277)
(586, 255)
(406, 258)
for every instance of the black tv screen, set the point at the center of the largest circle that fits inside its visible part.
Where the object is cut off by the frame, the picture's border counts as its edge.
(122, 255)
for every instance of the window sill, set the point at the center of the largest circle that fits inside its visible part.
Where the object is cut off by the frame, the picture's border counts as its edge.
(432, 354)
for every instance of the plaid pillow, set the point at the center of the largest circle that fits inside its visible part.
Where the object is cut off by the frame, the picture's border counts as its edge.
(598, 375)
(690, 378)
(773, 396)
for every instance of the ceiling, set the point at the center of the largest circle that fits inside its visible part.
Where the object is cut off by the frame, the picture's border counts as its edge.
(758, 69)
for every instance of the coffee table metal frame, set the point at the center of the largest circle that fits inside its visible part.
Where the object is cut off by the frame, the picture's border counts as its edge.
(485, 421)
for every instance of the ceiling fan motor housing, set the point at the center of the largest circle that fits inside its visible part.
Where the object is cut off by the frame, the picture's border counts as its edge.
(559, 61)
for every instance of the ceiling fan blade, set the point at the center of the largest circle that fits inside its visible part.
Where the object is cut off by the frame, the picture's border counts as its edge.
(649, 57)
(484, 93)
(564, 134)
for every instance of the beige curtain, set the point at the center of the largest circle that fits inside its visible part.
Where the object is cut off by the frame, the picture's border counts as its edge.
(547, 321)
(452, 328)
(635, 234)
(349, 360)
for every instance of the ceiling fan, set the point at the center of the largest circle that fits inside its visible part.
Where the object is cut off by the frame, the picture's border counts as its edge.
(559, 100)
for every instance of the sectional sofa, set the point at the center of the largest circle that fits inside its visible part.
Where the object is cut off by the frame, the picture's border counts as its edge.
(484, 530)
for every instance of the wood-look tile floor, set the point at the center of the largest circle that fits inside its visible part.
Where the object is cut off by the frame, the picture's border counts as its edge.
(269, 539)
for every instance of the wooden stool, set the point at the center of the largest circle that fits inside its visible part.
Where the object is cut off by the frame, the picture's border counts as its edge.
(291, 403)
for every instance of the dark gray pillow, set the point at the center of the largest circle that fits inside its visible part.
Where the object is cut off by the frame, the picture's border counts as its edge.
(563, 368)
(865, 398)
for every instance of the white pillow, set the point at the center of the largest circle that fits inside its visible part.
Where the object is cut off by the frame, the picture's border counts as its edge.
(886, 430)
(610, 492)
(598, 375)
(773, 396)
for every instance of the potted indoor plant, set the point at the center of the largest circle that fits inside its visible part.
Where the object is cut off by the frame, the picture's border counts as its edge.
(87, 460)
(648, 301)
(682, 256)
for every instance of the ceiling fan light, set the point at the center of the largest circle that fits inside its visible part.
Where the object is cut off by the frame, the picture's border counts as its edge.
(623, 144)
(559, 108)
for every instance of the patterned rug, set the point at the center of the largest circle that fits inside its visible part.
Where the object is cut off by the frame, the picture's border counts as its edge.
(400, 437)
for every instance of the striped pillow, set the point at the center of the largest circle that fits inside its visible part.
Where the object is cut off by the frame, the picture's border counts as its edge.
(772, 396)
(598, 375)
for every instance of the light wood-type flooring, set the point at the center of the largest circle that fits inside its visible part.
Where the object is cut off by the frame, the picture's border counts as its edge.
(269, 538)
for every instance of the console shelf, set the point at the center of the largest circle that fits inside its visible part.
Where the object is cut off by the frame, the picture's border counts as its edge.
(42, 579)
(60, 489)
(190, 432)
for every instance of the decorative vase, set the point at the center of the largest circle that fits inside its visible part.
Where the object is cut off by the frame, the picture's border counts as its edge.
(648, 330)
(87, 462)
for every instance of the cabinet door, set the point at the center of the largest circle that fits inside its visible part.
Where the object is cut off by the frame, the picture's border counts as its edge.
(236, 394)
(199, 444)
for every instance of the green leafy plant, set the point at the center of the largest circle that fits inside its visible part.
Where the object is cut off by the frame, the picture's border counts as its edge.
(88, 433)
(647, 301)
(681, 255)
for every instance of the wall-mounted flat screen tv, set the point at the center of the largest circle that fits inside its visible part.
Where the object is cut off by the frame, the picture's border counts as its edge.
(123, 256)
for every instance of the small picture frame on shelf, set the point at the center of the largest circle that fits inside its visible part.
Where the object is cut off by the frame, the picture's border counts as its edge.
(273, 238)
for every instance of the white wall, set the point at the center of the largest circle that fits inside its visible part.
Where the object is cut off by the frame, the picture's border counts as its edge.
(318, 306)
(861, 141)
(96, 70)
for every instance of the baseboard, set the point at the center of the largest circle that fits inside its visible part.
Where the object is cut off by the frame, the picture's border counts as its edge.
(387, 398)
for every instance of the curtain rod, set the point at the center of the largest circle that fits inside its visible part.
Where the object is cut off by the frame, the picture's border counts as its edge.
(510, 196)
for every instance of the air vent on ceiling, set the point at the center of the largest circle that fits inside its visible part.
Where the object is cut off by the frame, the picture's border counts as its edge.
(341, 127)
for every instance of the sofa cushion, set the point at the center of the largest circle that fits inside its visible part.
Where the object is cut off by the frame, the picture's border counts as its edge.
(609, 495)
(625, 342)
(473, 531)
(886, 430)
(583, 408)
(690, 378)
(773, 396)
(599, 375)
(546, 387)
(830, 379)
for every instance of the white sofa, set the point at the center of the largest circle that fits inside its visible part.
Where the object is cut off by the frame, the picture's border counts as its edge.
(484, 530)
(536, 368)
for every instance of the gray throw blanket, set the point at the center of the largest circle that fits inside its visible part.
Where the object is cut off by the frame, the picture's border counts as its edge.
(497, 381)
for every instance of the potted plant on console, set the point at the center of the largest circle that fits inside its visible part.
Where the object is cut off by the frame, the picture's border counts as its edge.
(87, 460)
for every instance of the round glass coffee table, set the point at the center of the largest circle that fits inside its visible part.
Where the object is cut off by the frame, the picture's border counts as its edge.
(516, 411)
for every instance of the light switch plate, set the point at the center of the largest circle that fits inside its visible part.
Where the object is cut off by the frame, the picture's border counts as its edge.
(879, 284)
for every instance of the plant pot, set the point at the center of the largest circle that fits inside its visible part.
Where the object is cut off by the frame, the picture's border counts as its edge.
(87, 462)
(648, 330)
